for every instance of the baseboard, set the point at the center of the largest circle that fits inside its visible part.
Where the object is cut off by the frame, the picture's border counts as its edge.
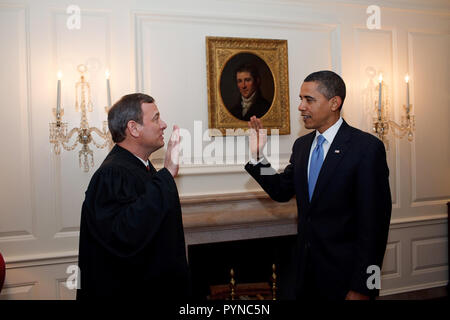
(423, 286)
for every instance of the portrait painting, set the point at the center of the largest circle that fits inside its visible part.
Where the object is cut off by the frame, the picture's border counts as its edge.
(247, 77)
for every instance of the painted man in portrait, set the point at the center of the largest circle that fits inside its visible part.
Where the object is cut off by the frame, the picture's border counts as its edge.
(251, 102)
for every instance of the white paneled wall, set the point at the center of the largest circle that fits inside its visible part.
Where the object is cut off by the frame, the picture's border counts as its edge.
(158, 47)
(18, 221)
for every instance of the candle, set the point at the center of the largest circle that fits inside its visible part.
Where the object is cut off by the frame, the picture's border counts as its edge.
(108, 88)
(379, 95)
(407, 93)
(58, 95)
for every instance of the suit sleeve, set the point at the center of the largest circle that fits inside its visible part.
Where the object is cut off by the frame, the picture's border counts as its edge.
(279, 186)
(374, 205)
(123, 220)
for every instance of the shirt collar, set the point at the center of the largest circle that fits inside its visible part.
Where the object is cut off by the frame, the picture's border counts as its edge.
(143, 161)
(249, 99)
(331, 132)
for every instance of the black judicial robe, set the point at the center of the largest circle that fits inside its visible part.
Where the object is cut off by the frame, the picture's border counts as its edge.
(131, 233)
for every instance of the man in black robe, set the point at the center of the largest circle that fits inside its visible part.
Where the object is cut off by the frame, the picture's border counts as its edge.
(131, 232)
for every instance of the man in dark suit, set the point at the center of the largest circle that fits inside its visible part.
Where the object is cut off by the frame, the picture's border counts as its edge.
(340, 178)
(251, 103)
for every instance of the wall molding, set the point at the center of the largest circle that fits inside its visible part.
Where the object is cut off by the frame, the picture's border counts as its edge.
(397, 273)
(25, 115)
(385, 292)
(398, 223)
(104, 19)
(418, 269)
(50, 258)
(392, 31)
(19, 289)
(405, 6)
(142, 17)
(419, 201)
(212, 169)
(34, 260)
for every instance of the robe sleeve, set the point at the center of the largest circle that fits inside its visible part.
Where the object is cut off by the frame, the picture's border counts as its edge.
(124, 219)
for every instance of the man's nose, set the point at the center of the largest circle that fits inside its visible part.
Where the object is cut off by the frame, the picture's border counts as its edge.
(301, 106)
(163, 125)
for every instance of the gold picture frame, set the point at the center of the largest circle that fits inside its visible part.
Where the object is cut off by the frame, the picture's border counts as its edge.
(224, 58)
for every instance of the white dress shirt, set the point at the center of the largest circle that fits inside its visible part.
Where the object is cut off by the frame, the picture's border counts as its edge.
(329, 135)
(247, 103)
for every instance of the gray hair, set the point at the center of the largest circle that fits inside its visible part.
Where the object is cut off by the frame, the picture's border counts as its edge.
(126, 109)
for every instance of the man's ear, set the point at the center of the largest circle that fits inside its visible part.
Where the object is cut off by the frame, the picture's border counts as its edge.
(336, 103)
(133, 128)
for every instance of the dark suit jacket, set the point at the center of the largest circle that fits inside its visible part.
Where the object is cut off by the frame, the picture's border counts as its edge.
(344, 229)
(259, 108)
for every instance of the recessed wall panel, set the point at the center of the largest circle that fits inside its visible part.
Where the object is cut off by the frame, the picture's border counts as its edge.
(16, 218)
(88, 45)
(430, 82)
(375, 53)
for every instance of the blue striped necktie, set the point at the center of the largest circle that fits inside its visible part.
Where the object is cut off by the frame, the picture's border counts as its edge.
(315, 165)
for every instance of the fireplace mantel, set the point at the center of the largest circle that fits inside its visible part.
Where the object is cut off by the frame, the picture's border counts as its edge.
(236, 216)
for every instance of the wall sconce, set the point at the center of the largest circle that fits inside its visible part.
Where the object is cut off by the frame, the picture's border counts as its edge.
(58, 130)
(381, 122)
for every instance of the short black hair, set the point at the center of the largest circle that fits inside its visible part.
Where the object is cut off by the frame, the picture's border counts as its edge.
(330, 84)
(126, 109)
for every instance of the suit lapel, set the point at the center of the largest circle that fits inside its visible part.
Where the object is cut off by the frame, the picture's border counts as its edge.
(336, 152)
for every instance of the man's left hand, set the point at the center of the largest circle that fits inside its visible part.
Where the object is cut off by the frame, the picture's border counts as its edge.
(353, 295)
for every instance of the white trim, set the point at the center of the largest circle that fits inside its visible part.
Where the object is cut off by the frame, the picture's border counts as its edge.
(420, 220)
(71, 256)
(390, 5)
(34, 260)
(210, 169)
(423, 286)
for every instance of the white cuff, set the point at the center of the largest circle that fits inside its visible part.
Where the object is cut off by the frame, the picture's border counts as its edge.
(254, 162)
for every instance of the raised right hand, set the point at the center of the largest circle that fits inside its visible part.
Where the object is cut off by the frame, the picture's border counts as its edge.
(258, 137)
(171, 162)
